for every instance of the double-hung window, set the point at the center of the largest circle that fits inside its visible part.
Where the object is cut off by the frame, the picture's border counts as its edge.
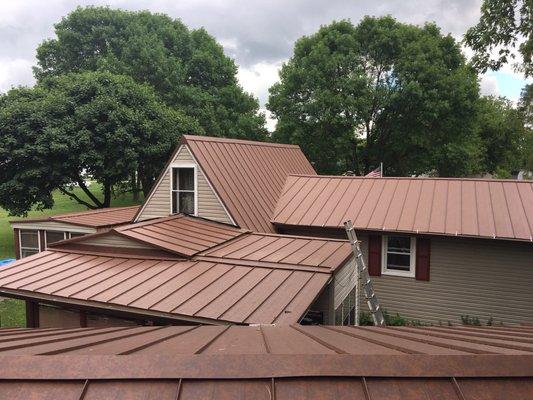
(29, 242)
(399, 255)
(183, 190)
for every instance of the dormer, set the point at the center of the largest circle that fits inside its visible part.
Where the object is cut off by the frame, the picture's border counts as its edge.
(232, 181)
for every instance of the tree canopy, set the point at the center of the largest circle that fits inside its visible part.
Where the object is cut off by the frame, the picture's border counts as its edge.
(504, 26)
(187, 68)
(353, 96)
(76, 125)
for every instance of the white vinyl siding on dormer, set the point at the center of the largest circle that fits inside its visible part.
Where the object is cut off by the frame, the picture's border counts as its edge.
(208, 204)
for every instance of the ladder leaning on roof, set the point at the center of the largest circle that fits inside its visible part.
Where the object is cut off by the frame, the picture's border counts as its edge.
(364, 277)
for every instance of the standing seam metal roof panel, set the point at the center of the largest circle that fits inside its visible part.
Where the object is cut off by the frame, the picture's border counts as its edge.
(500, 209)
(248, 176)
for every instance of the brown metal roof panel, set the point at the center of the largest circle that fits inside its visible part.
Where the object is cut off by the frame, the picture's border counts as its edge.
(284, 339)
(317, 206)
(320, 388)
(353, 206)
(190, 289)
(411, 389)
(132, 389)
(516, 211)
(238, 340)
(233, 293)
(225, 249)
(204, 297)
(438, 209)
(376, 219)
(257, 389)
(310, 199)
(247, 304)
(423, 211)
(343, 190)
(526, 196)
(469, 223)
(370, 203)
(294, 311)
(495, 389)
(397, 204)
(277, 301)
(37, 390)
(502, 220)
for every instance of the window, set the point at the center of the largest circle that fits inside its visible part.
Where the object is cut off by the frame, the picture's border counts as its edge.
(75, 235)
(29, 243)
(55, 236)
(183, 190)
(399, 255)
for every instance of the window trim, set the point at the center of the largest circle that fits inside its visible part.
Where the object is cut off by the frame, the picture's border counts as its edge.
(412, 264)
(171, 190)
(21, 248)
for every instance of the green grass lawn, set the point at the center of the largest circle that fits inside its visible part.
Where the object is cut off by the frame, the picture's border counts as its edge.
(63, 204)
(12, 313)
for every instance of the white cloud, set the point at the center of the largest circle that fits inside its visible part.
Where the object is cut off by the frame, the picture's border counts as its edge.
(489, 85)
(14, 73)
(258, 78)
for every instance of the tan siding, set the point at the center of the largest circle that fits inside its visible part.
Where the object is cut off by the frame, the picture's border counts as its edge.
(209, 206)
(473, 277)
(53, 226)
(113, 240)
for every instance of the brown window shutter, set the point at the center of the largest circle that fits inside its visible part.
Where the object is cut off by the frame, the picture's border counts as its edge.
(423, 247)
(374, 255)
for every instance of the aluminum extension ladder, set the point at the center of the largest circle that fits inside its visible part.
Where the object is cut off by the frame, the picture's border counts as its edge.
(364, 277)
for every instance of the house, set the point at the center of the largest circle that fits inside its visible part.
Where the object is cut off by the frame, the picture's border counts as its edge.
(438, 249)
(32, 235)
(267, 362)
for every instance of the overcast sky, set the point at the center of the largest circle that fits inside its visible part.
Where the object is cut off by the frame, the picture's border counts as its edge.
(259, 35)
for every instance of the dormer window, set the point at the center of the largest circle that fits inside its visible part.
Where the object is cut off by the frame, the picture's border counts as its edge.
(184, 190)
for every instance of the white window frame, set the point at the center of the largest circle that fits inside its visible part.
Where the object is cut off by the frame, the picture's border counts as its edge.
(29, 248)
(412, 262)
(184, 165)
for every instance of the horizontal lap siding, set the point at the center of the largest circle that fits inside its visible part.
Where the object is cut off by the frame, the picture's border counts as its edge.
(467, 277)
(209, 206)
(115, 241)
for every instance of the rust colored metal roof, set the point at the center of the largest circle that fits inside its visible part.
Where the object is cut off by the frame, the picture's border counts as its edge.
(501, 209)
(100, 218)
(197, 290)
(248, 176)
(180, 233)
(278, 250)
(284, 362)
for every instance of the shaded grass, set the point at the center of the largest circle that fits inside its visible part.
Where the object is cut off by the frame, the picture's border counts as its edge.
(62, 204)
(12, 313)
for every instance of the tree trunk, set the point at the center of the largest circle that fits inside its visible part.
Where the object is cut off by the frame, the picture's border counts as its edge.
(134, 186)
(107, 195)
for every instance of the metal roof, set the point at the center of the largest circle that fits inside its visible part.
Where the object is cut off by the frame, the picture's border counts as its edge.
(501, 209)
(180, 233)
(220, 291)
(278, 250)
(99, 218)
(248, 176)
(284, 362)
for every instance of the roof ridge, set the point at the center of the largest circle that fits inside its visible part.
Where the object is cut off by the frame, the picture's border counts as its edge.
(94, 211)
(237, 141)
(413, 178)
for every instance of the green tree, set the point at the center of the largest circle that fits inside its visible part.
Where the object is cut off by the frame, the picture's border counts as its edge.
(72, 126)
(187, 68)
(353, 96)
(526, 107)
(504, 25)
(503, 135)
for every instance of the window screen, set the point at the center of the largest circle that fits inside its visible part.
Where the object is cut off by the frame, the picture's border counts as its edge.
(399, 253)
(29, 243)
(54, 236)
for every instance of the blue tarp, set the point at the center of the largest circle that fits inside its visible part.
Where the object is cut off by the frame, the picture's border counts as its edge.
(6, 261)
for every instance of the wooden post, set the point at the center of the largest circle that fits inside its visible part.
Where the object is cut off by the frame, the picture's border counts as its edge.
(32, 314)
(16, 242)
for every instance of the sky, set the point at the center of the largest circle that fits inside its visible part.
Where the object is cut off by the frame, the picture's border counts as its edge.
(259, 35)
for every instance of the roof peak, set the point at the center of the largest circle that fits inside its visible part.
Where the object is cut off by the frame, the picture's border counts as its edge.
(235, 141)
